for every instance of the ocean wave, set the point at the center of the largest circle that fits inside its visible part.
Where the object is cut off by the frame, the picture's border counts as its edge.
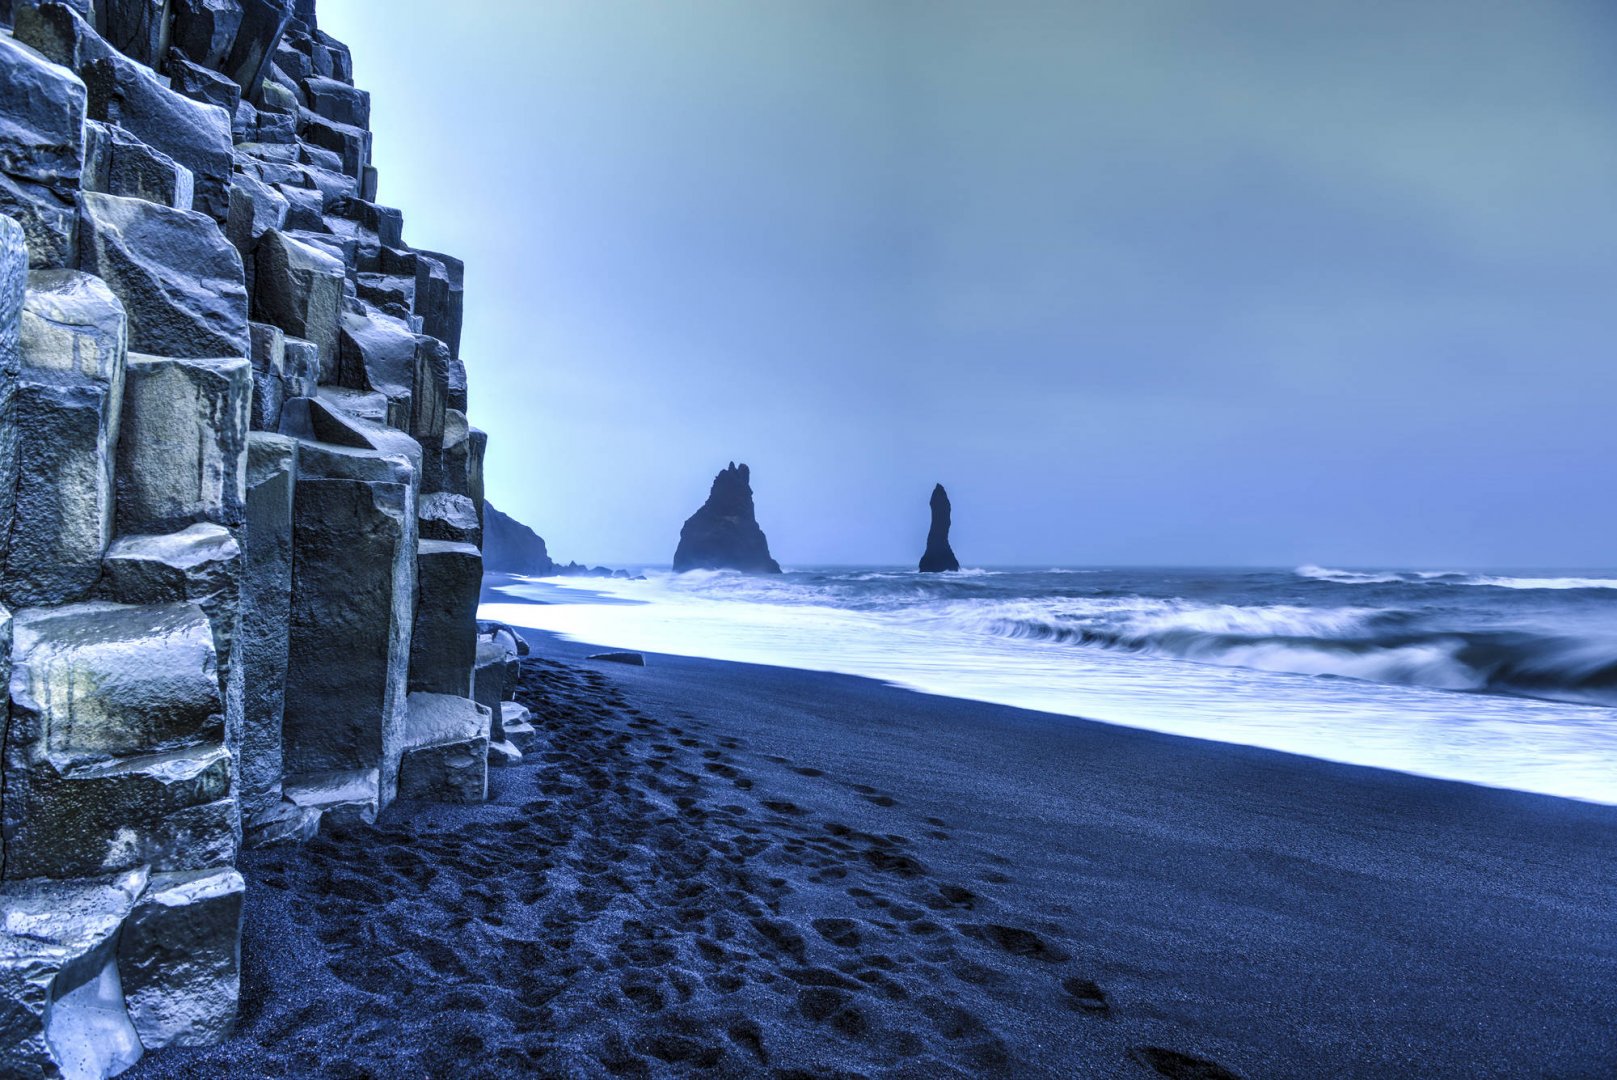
(1450, 577)
(1378, 645)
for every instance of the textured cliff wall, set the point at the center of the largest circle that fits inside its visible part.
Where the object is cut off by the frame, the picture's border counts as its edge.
(240, 506)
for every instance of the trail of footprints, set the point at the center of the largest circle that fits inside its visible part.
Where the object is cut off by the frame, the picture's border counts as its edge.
(631, 907)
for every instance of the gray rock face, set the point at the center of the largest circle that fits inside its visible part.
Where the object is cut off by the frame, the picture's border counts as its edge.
(513, 548)
(13, 290)
(251, 53)
(449, 517)
(266, 609)
(61, 1004)
(255, 209)
(115, 752)
(353, 571)
(446, 750)
(443, 644)
(179, 279)
(194, 133)
(117, 163)
(205, 30)
(378, 354)
(69, 400)
(724, 533)
(49, 220)
(517, 723)
(179, 958)
(182, 448)
(203, 84)
(299, 288)
(213, 631)
(41, 151)
(42, 126)
(133, 27)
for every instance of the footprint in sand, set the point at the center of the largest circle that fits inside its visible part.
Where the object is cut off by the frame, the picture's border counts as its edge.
(1085, 996)
(1017, 941)
(1178, 1066)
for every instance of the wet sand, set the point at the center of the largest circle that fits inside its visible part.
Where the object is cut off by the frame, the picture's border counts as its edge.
(737, 870)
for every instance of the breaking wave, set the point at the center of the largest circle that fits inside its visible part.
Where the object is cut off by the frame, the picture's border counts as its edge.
(1450, 577)
(1379, 645)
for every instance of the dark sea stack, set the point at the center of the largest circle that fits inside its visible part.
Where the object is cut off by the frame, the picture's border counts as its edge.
(939, 557)
(724, 533)
(241, 507)
(511, 547)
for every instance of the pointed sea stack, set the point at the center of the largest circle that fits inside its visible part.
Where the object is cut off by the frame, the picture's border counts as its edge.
(939, 556)
(724, 534)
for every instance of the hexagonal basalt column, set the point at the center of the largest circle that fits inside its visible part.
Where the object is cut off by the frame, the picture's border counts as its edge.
(69, 398)
(182, 452)
(353, 602)
(115, 751)
(61, 1005)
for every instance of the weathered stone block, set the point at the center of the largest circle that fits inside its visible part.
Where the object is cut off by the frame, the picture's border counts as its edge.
(430, 401)
(135, 28)
(518, 724)
(262, 24)
(67, 416)
(302, 371)
(491, 679)
(179, 958)
(442, 278)
(448, 517)
(299, 288)
(115, 754)
(203, 84)
(117, 163)
(50, 222)
(337, 101)
(42, 118)
(351, 144)
(179, 279)
(443, 645)
(182, 453)
(194, 133)
(205, 30)
(445, 750)
(353, 600)
(61, 1004)
(13, 290)
(266, 609)
(255, 209)
(379, 353)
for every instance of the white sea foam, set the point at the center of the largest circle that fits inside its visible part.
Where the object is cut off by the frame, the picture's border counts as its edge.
(1451, 577)
(1255, 678)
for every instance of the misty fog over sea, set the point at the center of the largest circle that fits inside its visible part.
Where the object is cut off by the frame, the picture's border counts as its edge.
(1504, 679)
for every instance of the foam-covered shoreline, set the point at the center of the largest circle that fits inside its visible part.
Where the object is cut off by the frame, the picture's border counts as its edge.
(954, 647)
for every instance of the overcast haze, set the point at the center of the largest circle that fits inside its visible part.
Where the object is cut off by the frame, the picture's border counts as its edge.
(1140, 282)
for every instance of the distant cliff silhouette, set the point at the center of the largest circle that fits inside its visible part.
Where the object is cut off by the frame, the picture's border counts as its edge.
(939, 556)
(724, 533)
(512, 547)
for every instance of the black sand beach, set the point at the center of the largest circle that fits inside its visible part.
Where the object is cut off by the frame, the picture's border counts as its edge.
(752, 871)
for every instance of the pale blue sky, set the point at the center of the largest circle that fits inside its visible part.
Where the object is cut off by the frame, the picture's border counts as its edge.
(1139, 280)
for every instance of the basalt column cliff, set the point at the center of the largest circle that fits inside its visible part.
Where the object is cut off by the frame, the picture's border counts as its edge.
(240, 506)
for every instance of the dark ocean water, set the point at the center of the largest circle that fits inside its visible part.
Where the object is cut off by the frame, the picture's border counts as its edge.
(1501, 678)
